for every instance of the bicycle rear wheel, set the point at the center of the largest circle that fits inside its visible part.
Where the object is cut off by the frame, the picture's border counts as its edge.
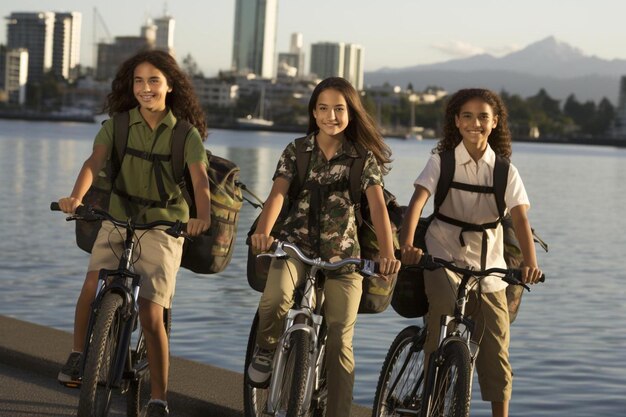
(400, 385)
(96, 389)
(254, 399)
(451, 392)
(138, 393)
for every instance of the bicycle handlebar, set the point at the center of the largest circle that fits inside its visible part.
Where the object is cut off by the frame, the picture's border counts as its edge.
(510, 276)
(366, 266)
(89, 213)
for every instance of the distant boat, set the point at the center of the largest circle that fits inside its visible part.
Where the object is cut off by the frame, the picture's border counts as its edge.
(258, 119)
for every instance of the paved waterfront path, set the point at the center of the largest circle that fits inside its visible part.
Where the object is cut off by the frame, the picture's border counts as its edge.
(31, 355)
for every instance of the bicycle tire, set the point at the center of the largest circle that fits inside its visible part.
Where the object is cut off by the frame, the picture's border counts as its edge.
(138, 393)
(254, 399)
(450, 394)
(319, 408)
(401, 380)
(95, 396)
(296, 373)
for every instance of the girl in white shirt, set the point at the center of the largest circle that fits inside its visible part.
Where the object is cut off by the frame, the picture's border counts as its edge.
(476, 130)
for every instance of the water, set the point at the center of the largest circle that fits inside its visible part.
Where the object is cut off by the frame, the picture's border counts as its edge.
(568, 343)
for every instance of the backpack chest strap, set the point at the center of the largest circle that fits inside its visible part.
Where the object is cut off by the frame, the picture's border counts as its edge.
(157, 161)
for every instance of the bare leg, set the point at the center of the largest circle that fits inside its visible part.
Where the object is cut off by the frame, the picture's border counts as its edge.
(83, 307)
(500, 409)
(151, 316)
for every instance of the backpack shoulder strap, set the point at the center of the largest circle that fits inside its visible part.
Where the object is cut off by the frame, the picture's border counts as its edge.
(120, 140)
(179, 138)
(356, 172)
(445, 177)
(500, 179)
(303, 158)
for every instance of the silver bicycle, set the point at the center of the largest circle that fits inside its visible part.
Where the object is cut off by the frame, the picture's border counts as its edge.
(297, 386)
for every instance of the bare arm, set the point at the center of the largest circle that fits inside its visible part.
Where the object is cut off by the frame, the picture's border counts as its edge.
(411, 254)
(530, 271)
(261, 239)
(382, 227)
(202, 197)
(90, 169)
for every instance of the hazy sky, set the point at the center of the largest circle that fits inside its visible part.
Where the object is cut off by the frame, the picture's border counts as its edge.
(394, 33)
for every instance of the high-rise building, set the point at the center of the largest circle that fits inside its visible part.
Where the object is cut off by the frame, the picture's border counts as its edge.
(619, 123)
(337, 59)
(66, 44)
(34, 32)
(16, 75)
(254, 42)
(165, 33)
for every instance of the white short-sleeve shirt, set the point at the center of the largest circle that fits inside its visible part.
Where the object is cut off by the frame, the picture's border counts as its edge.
(442, 239)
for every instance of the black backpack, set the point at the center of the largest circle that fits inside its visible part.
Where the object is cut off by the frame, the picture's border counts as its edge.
(208, 253)
(409, 299)
(376, 292)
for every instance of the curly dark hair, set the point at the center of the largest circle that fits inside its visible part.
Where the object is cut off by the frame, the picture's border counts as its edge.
(361, 127)
(500, 137)
(182, 100)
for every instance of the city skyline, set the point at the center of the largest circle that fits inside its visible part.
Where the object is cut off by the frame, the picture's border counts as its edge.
(403, 33)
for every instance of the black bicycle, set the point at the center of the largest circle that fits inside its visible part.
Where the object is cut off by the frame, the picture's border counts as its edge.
(403, 387)
(298, 383)
(115, 356)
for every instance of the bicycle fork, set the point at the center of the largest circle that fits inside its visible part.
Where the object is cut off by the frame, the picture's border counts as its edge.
(297, 320)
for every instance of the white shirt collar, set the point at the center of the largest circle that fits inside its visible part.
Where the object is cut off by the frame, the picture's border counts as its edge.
(462, 156)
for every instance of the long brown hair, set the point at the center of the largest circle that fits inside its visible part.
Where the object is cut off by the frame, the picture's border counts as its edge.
(500, 137)
(182, 100)
(361, 127)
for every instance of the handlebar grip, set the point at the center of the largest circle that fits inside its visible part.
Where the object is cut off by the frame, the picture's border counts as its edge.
(274, 246)
(542, 278)
(54, 206)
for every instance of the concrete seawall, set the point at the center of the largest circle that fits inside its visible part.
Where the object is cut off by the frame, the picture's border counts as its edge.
(195, 389)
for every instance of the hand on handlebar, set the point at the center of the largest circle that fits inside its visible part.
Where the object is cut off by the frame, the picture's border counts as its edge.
(196, 227)
(69, 204)
(531, 274)
(388, 266)
(410, 254)
(261, 242)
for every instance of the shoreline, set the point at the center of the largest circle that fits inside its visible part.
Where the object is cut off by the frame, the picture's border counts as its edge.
(52, 117)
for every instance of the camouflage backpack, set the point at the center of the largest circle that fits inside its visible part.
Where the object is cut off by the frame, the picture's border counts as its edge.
(376, 291)
(208, 253)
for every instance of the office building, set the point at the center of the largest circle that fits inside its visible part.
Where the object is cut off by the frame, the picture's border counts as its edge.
(331, 59)
(112, 55)
(619, 123)
(34, 32)
(66, 45)
(254, 40)
(16, 75)
(165, 33)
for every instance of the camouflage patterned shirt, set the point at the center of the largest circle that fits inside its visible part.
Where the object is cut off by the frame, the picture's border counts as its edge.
(335, 218)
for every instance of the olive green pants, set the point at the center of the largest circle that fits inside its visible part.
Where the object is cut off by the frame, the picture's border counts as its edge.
(491, 318)
(342, 295)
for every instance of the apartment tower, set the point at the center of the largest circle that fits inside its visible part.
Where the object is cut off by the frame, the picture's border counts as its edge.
(254, 42)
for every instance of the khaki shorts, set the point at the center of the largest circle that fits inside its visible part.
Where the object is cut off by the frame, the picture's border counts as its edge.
(156, 259)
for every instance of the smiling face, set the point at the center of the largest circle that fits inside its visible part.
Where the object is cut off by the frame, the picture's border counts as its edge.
(150, 87)
(331, 113)
(475, 122)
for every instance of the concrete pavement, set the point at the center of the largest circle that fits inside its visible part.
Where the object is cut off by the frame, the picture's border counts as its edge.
(31, 356)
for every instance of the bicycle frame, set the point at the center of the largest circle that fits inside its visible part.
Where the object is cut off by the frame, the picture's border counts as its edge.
(298, 319)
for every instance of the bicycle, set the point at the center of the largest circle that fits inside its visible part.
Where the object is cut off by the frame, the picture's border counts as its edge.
(113, 358)
(297, 386)
(403, 389)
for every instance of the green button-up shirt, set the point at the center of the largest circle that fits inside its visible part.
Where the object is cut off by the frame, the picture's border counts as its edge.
(137, 176)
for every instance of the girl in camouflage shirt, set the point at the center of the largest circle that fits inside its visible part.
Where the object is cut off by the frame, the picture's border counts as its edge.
(324, 226)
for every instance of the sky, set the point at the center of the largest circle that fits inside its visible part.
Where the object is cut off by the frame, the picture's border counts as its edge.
(393, 33)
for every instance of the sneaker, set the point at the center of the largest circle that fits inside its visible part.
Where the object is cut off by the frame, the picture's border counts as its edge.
(70, 372)
(156, 409)
(260, 368)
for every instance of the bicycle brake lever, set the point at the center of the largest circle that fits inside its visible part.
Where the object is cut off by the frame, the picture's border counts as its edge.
(278, 253)
(369, 268)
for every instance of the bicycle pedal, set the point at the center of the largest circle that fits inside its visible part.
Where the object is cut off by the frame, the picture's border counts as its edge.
(406, 412)
(72, 384)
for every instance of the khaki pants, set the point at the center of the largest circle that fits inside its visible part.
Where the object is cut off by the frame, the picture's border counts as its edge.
(491, 330)
(342, 296)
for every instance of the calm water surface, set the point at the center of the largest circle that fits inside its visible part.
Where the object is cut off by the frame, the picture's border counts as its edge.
(568, 344)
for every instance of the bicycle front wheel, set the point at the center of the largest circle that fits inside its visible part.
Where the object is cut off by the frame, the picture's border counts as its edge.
(96, 389)
(451, 392)
(254, 399)
(295, 376)
(138, 393)
(400, 385)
